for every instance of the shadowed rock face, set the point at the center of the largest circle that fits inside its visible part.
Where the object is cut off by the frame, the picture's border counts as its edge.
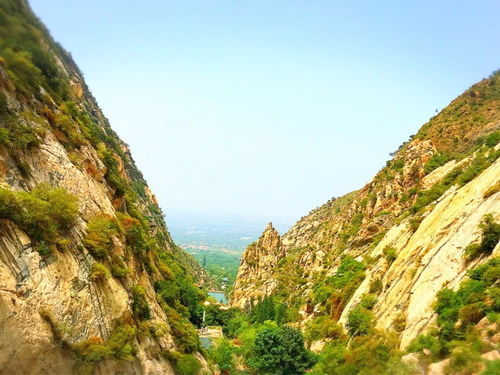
(427, 239)
(50, 303)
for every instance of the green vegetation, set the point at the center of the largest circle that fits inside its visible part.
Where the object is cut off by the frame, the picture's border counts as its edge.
(185, 335)
(352, 228)
(455, 128)
(29, 65)
(390, 254)
(99, 271)
(119, 268)
(458, 176)
(219, 264)
(337, 290)
(45, 214)
(140, 306)
(359, 321)
(280, 350)
(458, 312)
(437, 160)
(323, 327)
(119, 346)
(268, 309)
(187, 364)
(492, 190)
(100, 233)
(489, 239)
(223, 355)
(368, 354)
(376, 286)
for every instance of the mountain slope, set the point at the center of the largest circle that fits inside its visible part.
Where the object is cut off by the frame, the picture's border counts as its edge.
(86, 259)
(401, 238)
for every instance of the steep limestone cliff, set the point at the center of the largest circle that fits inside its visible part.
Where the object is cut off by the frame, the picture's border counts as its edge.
(84, 249)
(405, 232)
(257, 263)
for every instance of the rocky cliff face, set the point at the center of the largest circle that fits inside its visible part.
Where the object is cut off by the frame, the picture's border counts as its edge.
(406, 230)
(259, 261)
(83, 242)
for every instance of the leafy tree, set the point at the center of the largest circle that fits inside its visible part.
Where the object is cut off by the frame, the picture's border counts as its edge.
(223, 355)
(359, 321)
(280, 350)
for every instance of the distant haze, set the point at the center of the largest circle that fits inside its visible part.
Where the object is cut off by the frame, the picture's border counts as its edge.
(267, 109)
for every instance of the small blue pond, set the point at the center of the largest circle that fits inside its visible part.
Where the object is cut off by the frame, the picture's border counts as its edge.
(220, 297)
(206, 342)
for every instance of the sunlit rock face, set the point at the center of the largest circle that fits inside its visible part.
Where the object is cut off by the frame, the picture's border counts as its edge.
(425, 206)
(257, 265)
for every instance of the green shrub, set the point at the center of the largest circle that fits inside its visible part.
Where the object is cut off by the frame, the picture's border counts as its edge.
(345, 281)
(470, 302)
(188, 364)
(369, 354)
(368, 301)
(492, 139)
(492, 368)
(398, 164)
(185, 336)
(119, 270)
(120, 345)
(223, 354)
(437, 160)
(100, 233)
(490, 236)
(323, 327)
(390, 254)
(472, 314)
(268, 309)
(464, 361)
(376, 286)
(140, 306)
(472, 251)
(359, 321)
(44, 214)
(415, 222)
(99, 271)
(430, 342)
(492, 190)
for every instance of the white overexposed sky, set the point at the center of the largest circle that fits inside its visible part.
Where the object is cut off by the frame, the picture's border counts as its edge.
(270, 108)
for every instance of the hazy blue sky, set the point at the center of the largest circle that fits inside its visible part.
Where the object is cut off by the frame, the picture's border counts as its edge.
(270, 108)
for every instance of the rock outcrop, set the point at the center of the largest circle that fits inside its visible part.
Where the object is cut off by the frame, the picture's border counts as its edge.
(409, 226)
(259, 260)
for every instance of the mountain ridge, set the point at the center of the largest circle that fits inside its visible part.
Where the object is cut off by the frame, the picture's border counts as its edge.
(450, 162)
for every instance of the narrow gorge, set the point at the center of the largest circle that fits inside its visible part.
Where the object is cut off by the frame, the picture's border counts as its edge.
(400, 277)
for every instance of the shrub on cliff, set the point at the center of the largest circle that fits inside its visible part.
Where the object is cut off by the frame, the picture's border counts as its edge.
(323, 327)
(99, 271)
(44, 213)
(140, 306)
(100, 233)
(359, 321)
(188, 364)
(490, 235)
(390, 254)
